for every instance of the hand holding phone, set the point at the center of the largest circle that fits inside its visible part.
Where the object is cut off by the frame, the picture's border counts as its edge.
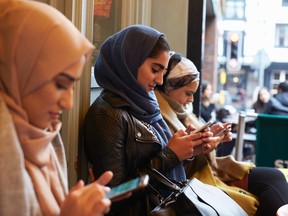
(129, 186)
(220, 133)
(202, 128)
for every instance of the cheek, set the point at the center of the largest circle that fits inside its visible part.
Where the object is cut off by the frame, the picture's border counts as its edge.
(34, 106)
(180, 98)
(141, 76)
(38, 104)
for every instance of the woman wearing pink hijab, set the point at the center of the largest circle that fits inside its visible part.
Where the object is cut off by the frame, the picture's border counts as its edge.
(42, 54)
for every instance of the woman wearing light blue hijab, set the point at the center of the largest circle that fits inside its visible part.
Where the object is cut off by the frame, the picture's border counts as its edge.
(123, 129)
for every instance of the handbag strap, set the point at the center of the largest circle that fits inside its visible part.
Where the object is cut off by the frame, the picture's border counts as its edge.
(155, 174)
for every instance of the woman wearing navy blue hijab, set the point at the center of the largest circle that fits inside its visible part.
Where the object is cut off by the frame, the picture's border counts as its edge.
(123, 129)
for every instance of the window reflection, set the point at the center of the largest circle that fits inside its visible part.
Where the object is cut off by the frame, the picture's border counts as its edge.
(107, 16)
(107, 21)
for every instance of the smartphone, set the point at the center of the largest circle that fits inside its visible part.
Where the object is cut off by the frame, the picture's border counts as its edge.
(202, 128)
(222, 131)
(129, 186)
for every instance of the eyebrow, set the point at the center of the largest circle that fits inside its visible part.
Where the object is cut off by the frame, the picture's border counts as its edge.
(69, 77)
(160, 65)
(192, 92)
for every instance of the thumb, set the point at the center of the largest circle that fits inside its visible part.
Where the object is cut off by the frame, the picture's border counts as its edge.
(105, 178)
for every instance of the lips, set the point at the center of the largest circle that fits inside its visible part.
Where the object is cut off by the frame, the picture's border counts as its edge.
(152, 87)
(55, 115)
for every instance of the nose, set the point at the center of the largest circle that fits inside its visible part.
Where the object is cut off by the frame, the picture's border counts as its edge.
(191, 99)
(66, 101)
(159, 78)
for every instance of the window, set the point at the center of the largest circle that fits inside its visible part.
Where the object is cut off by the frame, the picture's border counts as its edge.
(107, 18)
(281, 36)
(284, 2)
(278, 76)
(235, 9)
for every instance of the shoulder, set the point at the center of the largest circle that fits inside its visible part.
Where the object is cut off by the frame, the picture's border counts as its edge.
(109, 105)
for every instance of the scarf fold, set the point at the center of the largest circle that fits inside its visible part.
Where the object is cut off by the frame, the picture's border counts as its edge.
(178, 116)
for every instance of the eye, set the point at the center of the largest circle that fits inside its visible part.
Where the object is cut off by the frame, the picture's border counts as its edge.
(60, 85)
(156, 69)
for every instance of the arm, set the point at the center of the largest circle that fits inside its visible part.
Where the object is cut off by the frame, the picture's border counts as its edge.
(104, 140)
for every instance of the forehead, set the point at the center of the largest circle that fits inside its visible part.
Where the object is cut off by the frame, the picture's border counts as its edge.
(161, 59)
(193, 86)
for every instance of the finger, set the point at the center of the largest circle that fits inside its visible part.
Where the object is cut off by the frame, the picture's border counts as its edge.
(190, 128)
(105, 178)
(206, 147)
(226, 124)
(102, 207)
(194, 136)
(216, 139)
(180, 133)
(207, 134)
(217, 128)
(79, 185)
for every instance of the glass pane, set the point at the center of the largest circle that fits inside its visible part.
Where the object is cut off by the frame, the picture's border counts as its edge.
(277, 76)
(107, 21)
(281, 35)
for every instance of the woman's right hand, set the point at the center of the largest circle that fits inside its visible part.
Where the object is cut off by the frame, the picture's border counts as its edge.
(88, 200)
(184, 145)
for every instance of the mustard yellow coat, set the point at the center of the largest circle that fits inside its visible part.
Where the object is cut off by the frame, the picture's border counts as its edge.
(217, 171)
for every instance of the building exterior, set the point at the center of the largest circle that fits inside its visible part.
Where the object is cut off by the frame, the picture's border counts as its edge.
(261, 50)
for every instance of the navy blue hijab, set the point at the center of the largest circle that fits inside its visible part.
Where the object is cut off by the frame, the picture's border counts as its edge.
(116, 70)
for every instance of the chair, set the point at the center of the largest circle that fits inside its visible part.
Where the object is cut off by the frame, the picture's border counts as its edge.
(272, 141)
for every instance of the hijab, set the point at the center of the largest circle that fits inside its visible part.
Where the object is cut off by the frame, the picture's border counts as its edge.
(37, 43)
(181, 72)
(116, 70)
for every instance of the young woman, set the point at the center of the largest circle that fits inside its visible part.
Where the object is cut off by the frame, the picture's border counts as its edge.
(208, 109)
(175, 97)
(123, 129)
(262, 103)
(42, 55)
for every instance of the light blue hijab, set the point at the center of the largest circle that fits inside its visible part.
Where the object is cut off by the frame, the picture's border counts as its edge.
(116, 70)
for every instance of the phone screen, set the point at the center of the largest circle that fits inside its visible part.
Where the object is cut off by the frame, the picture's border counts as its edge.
(131, 185)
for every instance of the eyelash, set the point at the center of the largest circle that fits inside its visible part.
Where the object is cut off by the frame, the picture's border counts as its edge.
(155, 71)
(158, 70)
(189, 94)
(60, 86)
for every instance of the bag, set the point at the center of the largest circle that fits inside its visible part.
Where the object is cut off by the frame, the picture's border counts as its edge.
(193, 198)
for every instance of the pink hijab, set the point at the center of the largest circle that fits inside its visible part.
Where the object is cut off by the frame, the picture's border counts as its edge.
(37, 43)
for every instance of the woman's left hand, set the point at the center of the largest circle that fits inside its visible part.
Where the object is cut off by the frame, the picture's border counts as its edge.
(213, 141)
(227, 135)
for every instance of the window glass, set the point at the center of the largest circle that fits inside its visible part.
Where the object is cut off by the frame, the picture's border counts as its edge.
(284, 2)
(107, 21)
(234, 9)
(281, 35)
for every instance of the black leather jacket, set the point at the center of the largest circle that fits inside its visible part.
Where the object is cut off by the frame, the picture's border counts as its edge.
(115, 140)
